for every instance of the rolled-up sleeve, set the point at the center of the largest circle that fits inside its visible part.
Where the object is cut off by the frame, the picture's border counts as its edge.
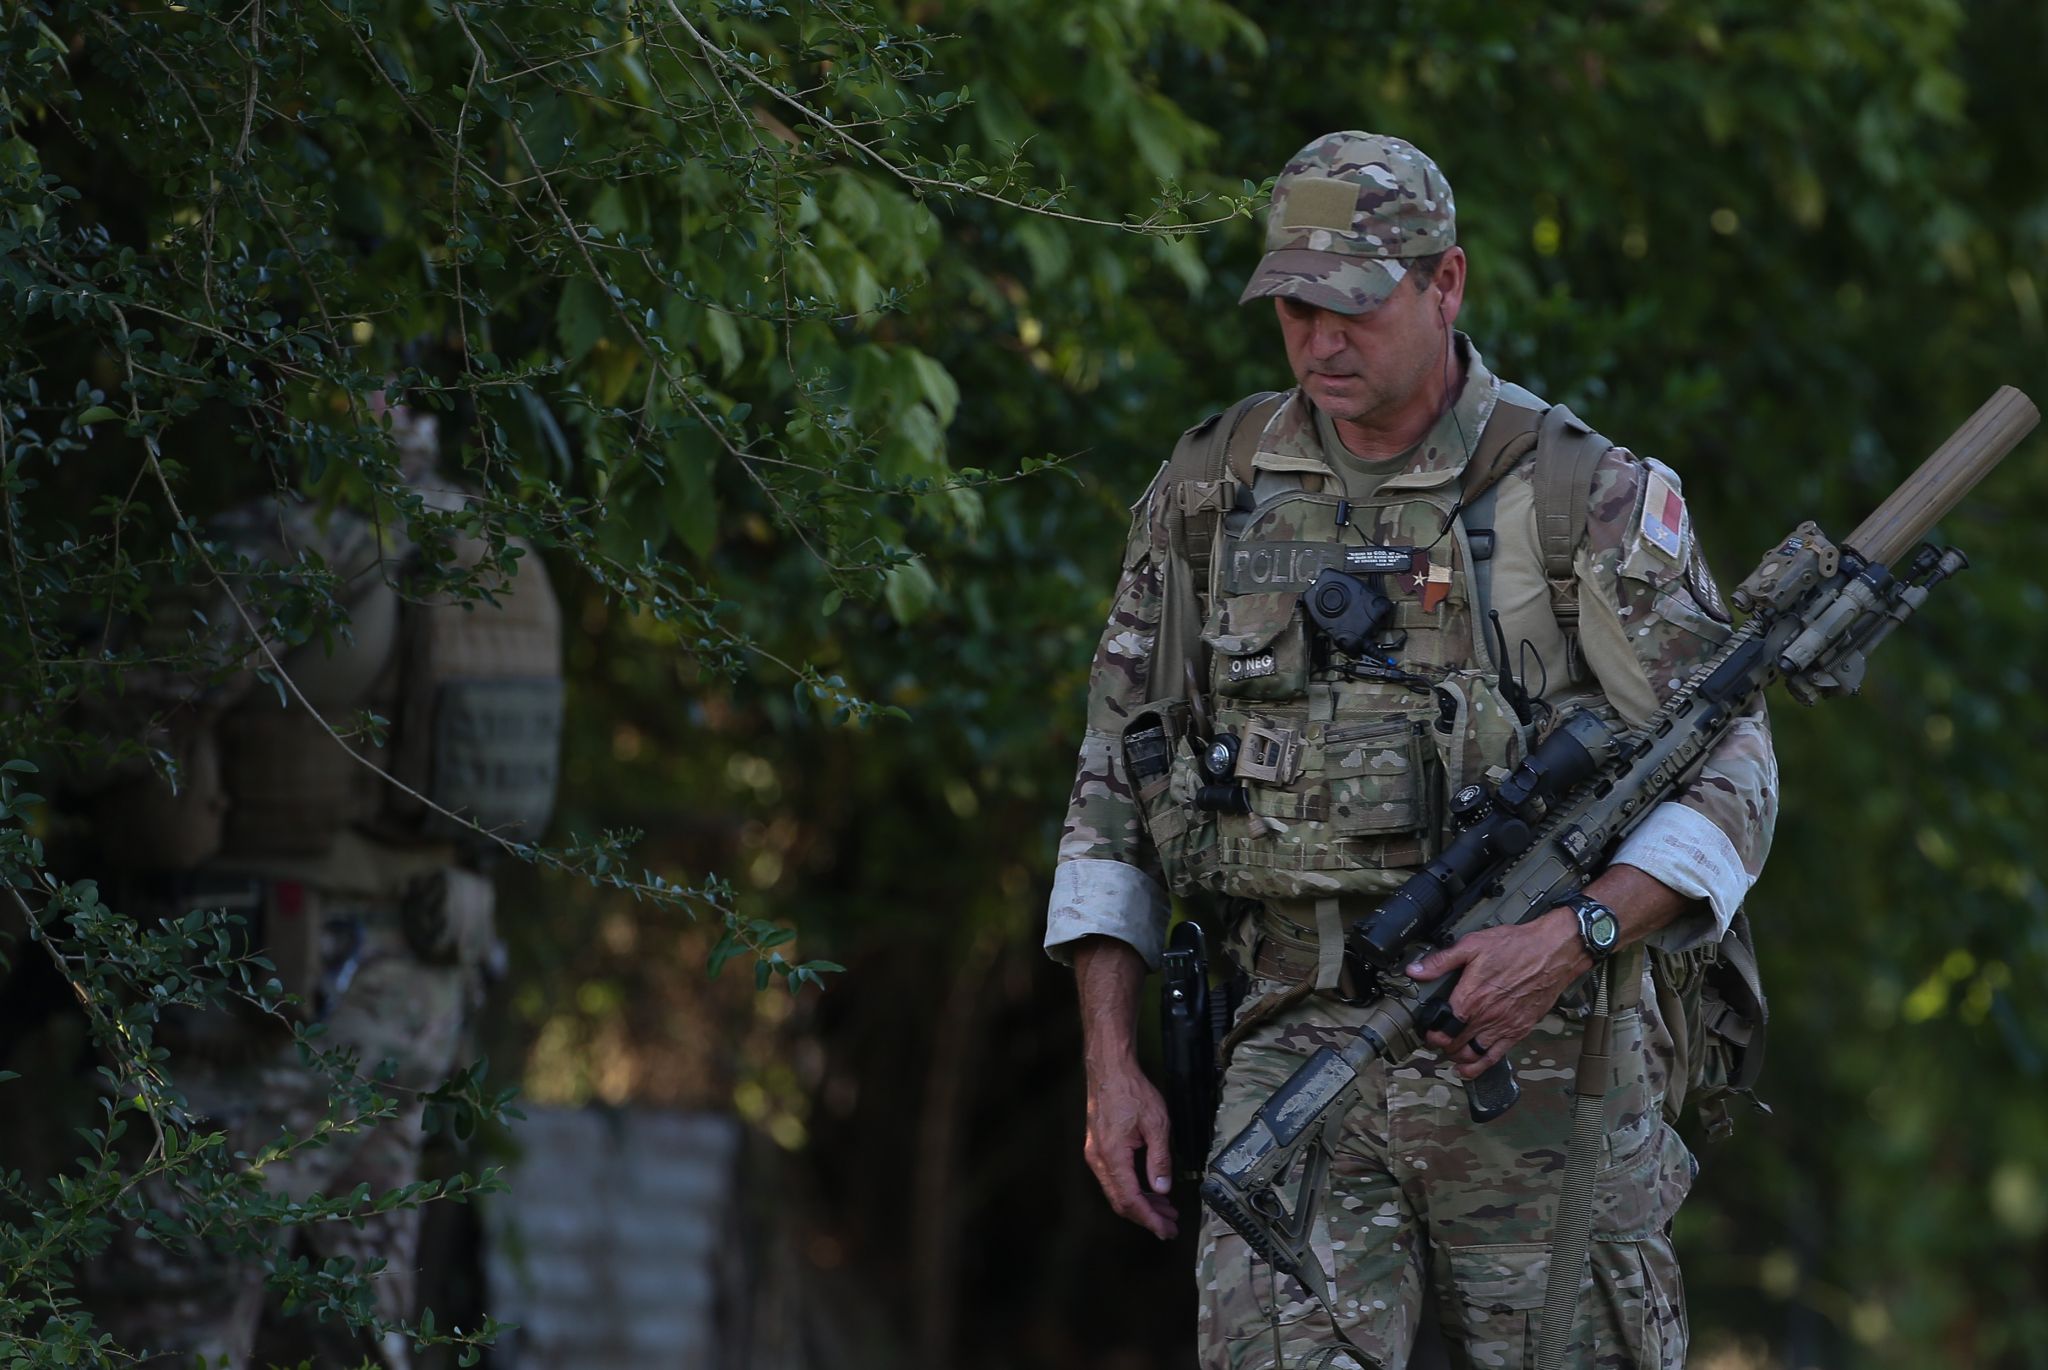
(1095, 897)
(1107, 881)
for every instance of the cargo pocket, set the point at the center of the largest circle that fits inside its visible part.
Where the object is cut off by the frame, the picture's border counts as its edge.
(1637, 1297)
(1499, 1301)
(1258, 646)
(1475, 730)
(1632, 1115)
(1160, 763)
(1634, 1199)
(1382, 784)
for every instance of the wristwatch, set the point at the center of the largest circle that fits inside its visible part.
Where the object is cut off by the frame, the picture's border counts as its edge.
(1599, 929)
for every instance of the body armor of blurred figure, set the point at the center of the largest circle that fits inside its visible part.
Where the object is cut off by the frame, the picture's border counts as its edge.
(372, 903)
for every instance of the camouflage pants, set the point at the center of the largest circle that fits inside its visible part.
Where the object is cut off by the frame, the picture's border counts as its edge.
(170, 1306)
(1430, 1216)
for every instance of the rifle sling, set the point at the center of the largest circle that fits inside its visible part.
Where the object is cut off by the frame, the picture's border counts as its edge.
(1571, 1230)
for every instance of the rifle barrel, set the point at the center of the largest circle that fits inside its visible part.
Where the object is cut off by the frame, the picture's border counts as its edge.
(1944, 478)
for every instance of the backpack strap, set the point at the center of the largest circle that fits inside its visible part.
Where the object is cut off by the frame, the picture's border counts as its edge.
(1567, 452)
(1210, 463)
(1509, 436)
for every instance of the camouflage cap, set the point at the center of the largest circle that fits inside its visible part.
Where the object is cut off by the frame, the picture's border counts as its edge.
(1348, 212)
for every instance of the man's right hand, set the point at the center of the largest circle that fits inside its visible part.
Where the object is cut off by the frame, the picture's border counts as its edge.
(1128, 1144)
(1128, 1149)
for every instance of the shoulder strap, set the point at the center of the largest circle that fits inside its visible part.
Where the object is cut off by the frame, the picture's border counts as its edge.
(1208, 463)
(1567, 453)
(1509, 436)
(1193, 492)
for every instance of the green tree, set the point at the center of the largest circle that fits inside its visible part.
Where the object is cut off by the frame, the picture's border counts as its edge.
(646, 260)
(749, 317)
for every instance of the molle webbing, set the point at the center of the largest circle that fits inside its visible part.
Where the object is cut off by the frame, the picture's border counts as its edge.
(480, 709)
(1567, 453)
(1570, 452)
(1195, 474)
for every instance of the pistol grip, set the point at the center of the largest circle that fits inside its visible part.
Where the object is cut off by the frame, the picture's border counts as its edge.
(1492, 1093)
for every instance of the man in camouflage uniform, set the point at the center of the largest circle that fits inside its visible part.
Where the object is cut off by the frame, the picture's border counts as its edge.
(373, 907)
(1431, 1224)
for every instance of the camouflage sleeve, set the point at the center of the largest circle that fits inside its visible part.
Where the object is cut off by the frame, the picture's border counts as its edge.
(1107, 880)
(1649, 612)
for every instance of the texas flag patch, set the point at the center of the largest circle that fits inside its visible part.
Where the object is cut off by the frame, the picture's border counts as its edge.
(1663, 516)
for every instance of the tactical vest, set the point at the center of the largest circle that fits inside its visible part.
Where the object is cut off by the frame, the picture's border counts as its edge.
(1346, 777)
(472, 692)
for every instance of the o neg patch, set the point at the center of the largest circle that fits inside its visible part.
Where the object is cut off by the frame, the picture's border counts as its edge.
(1253, 666)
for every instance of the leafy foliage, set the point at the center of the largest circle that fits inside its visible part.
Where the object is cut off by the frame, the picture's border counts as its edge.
(752, 319)
(641, 261)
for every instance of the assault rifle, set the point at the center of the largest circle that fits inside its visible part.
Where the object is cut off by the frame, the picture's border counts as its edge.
(1815, 609)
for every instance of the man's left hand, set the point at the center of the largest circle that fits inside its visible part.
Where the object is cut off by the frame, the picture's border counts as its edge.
(1512, 977)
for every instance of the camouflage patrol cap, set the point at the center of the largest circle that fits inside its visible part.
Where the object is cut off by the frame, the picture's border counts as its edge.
(1349, 212)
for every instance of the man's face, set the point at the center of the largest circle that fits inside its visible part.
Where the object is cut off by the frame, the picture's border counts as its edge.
(1358, 366)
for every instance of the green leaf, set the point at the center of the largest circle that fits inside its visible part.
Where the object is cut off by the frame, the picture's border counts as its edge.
(691, 500)
(580, 317)
(99, 413)
(909, 590)
(723, 335)
(939, 388)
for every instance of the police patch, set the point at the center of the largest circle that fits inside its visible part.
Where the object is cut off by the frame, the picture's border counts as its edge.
(1663, 522)
(1260, 564)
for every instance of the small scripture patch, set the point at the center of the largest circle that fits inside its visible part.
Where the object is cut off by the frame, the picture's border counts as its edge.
(1381, 560)
(1253, 666)
(1663, 516)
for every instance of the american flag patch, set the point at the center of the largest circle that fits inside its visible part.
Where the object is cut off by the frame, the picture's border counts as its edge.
(1663, 516)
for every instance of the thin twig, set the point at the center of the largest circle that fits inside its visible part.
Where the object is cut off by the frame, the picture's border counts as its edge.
(866, 150)
(255, 60)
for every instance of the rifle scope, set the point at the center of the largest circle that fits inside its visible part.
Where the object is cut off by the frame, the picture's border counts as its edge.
(1384, 938)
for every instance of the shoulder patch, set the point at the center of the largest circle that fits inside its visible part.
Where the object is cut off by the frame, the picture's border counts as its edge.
(1663, 523)
(1700, 581)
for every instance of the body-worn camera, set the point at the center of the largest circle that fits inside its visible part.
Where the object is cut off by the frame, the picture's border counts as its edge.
(1224, 793)
(1349, 610)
